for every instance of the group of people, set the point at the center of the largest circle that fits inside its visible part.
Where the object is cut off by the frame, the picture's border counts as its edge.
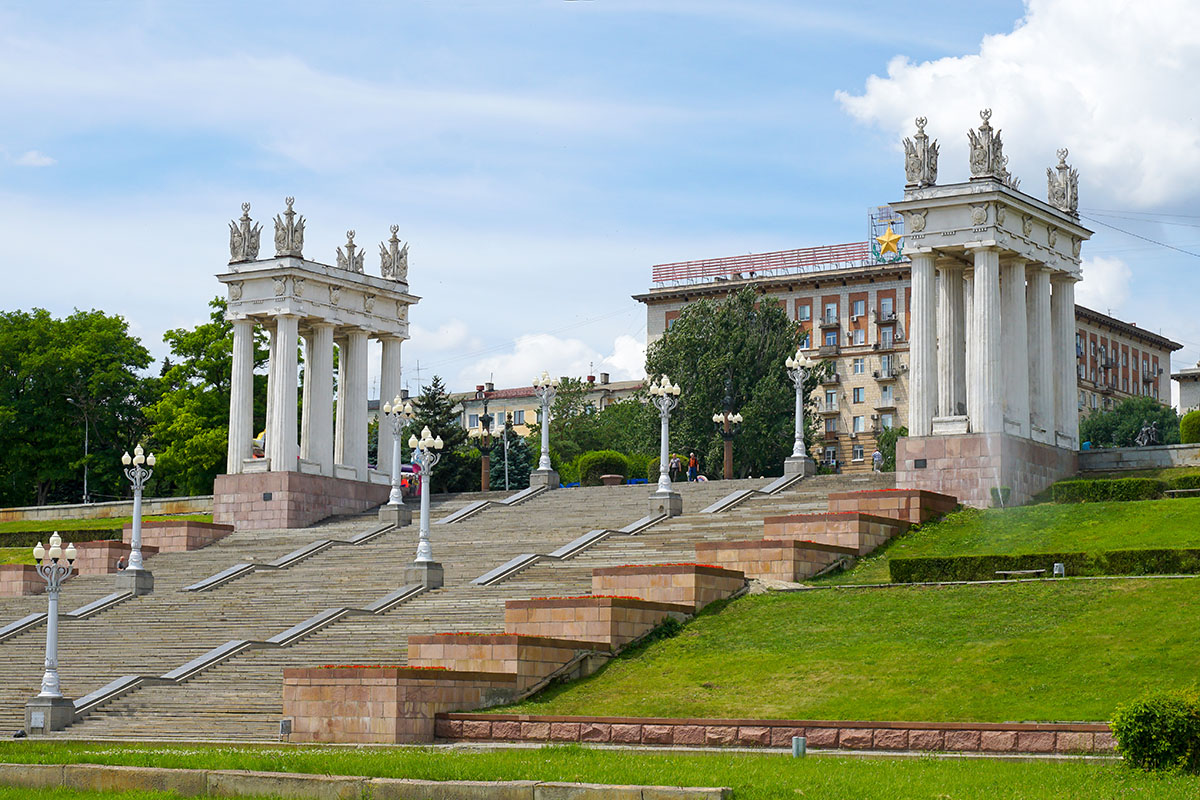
(693, 467)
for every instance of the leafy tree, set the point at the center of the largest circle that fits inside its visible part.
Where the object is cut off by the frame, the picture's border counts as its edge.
(190, 421)
(887, 445)
(573, 424)
(630, 426)
(744, 339)
(56, 377)
(1118, 427)
(519, 463)
(457, 471)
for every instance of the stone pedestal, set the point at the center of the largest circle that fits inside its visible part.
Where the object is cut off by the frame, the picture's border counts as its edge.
(46, 714)
(428, 574)
(969, 466)
(137, 581)
(543, 478)
(399, 516)
(669, 503)
(256, 501)
(797, 465)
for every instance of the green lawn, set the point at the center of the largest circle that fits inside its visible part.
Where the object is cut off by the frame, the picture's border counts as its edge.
(1055, 651)
(752, 776)
(16, 555)
(111, 523)
(1049, 527)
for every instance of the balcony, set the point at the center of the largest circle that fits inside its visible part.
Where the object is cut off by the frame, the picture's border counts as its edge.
(884, 319)
(829, 321)
(831, 379)
(885, 374)
(831, 436)
(884, 345)
(886, 404)
(826, 409)
(1147, 378)
(828, 350)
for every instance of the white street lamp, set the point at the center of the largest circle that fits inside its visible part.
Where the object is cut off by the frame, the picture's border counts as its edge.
(135, 577)
(428, 452)
(798, 463)
(546, 388)
(400, 413)
(50, 711)
(665, 397)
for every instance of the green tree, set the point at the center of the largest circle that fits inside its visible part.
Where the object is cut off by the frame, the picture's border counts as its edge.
(1118, 427)
(190, 421)
(574, 425)
(630, 426)
(518, 463)
(887, 445)
(457, 471)
(744, 339)
(58, 376)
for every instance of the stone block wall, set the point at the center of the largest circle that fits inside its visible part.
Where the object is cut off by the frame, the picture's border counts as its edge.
(17, 580)
(693, 585)
(969, 466)
(965, 737)
(1161, 456)
(613, 620)
(263, 500)
(529, 658)
(100, 558)
(151, 506)
(773, 559)
(860, 532)
(913, 505)
(178, 536)
(382, 705)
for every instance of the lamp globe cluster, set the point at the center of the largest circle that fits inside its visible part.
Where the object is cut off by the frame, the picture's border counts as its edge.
(545, 381)
(800, 361)
(664, 388)
(55, 552)
(399, 406)
(138, 458)
(427, 442)
(734, 419)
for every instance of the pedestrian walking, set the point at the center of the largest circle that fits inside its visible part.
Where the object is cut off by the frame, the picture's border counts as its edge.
(674, 465)
(877, 461)
(693, 467)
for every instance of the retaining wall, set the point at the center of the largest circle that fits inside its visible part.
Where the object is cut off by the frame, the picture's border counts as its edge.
(263, 500)
(179, 535)
(862, 532)
(613, 620)
(1156, 457)
(17, 580)
(694, 585)
(788, 560)
(201, 504)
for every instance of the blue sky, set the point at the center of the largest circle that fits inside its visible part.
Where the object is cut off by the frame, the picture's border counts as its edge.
(541, 156)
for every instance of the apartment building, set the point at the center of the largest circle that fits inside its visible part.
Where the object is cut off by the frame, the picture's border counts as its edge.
(523, 405)
(853, 309)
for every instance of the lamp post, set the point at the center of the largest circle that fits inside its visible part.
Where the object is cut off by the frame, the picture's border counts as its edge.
(502, 434)
(545, 388)
(799, 463)
(50, 711)
(728, 424)
(424, 569)
(665, 500)
(399, 413)
(86, 435)
(136, 578)
(485, 435)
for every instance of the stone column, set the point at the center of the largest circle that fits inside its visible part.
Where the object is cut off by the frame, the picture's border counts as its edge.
(306, 397)
(1015, 350)
(1041, 353)
(316, 443)
(339, 440)
(985, 342)
(1062, 337)
(389, 388)
(968, 349)
(951, 380)
(354, 400)
(241, 396)
(272, 362)
(922, 344)
(281, 441)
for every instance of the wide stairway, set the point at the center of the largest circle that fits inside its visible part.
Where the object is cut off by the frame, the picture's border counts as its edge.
(241, 698)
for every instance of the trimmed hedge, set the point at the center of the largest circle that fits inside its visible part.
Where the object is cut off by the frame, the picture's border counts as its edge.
(31, 538)
(1160, 730)
(1189, 427)
(1184, 482)
(595, 463)
(1164, 561)
(1100, 491)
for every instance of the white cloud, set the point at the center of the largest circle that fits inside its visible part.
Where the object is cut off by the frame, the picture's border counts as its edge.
(1105, 284)
(1112, 80)
(34, 158)
(533, 353)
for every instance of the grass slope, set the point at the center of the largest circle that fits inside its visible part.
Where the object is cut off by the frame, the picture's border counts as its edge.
(1056, 651)
(110, 523)
(1049, 527)
(752, 776)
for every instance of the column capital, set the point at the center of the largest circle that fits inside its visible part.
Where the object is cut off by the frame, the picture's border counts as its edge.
(1064, 278)
(986, 244)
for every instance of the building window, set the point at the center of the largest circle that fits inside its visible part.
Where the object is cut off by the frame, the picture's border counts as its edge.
(473, 421)
(831, 338)
(831, 455)
(858, 424)
(1093, 349)
(831, 313)
(860, 366)
(1124, 358)
(1081, 403)
(1079, 345)
(1082, 371)
(1093, 401)
(858, 308)
(519, 417)
(887, 307)
(1125, 384)
(885, 421)
(885, 395)
(885, 365)
(885, 338)
(858, 394)
(860, 336)
(856, 452)
(831, 425)
(831, 400)
(804, 312)
(806, 339)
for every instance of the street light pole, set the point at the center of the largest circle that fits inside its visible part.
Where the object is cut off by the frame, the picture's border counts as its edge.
(798, 463)
(729, 424)
(135, 577)
(398, 413)
(665, 500)
(485, 437)
(424, 569)
(50, 711)
(545, 388)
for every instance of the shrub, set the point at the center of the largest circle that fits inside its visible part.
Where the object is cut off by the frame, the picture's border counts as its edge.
(1189, 427)
(639, 465)
(1161, 561)
(1097, 491)
(593, 464)
(30, 538)
(568, 472)
(1184, 482)
(1160, 730)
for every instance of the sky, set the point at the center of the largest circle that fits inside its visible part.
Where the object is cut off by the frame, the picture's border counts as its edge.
(540, 156)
